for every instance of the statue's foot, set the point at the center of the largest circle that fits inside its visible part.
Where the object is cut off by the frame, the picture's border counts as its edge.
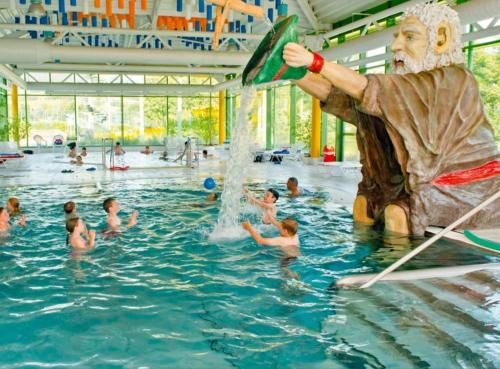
(360, 211)
(396, 220)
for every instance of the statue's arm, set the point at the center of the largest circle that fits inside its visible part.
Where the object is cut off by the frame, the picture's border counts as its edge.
(347, 80)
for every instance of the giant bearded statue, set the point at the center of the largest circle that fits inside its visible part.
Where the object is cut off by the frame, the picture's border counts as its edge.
(427, 150)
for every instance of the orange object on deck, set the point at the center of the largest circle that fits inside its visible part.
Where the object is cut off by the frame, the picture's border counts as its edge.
(97, 3)
(144, 4)
(131, 8)
(121, 4)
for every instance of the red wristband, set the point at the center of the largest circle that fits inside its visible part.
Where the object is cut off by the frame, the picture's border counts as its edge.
(317, 63)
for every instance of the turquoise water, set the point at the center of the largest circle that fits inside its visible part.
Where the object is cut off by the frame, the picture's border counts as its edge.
(162, 295)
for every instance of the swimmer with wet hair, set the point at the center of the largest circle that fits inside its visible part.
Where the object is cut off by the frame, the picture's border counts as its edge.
(75, 228)
(267, 204)
(13, 206)
(288, 241)
(112, 207)
(212, 196)
(293, 186)
(5, 218)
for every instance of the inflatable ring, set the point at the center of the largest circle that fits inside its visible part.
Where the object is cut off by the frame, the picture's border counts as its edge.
(119, 168)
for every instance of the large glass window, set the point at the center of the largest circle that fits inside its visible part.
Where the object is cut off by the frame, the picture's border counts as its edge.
(49, 116)
(281, 116)
(144, 120)
(304, 118)
(98, 118)
(485, 62)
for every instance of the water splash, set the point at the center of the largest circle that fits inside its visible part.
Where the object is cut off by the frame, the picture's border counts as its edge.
(239, 160)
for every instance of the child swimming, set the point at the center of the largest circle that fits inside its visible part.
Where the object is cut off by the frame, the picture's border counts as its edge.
(293, 186)
(267, 204)
(13, 206)
(75, 228)
(288, 241)
(5, 218)
(112, 207)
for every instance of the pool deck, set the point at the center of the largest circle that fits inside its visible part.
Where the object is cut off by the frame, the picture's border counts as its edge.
(339, 180)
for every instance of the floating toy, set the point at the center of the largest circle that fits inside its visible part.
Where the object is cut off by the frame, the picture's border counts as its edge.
(67, 171)
(91, 169)
(119, 168)
(209, 183)
(267, 63)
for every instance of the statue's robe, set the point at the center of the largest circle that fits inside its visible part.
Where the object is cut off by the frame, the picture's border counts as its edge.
(415, 131)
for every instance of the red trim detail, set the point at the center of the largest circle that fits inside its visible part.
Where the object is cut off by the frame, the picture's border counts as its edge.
(317, 63)
(282, 70)
(471, 175)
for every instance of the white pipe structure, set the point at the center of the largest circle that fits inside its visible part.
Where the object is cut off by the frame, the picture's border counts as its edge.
(17, 51)
(371, 19)
(125, 31)
(12, 76)
(431, 240)
(469, 12)
(411, 275)
(130, 69)
(119, 89)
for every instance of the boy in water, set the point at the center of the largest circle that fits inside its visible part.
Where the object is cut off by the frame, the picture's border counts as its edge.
(71, 213)
(267, 204)
(4, 220)
(288, 241)
(78, 161)
(112, 207)
(75, 228)
(293, 186)
(147, 150)
(83, 153)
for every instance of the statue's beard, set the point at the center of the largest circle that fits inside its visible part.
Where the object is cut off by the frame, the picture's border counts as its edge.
(402, 63)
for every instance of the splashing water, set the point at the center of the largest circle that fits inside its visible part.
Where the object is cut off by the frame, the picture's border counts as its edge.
(239, 160)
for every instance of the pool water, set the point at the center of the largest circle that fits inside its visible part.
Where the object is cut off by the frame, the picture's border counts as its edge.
(163, 295)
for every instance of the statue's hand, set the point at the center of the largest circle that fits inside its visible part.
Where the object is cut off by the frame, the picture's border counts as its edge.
(296, 55)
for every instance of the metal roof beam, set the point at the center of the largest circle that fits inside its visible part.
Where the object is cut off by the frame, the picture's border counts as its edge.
(121, 31)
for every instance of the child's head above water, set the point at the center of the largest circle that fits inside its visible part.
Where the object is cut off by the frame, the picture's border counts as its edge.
(13, 205)
(73, 224)
(212, 196)
(292, 183)
(290, 226)
(271, 196)
(110, 205)
(69, 207)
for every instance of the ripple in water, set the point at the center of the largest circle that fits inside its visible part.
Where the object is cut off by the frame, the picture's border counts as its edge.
(227, 226)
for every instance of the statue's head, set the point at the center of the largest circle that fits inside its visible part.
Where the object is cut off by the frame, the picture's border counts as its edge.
(427, 37)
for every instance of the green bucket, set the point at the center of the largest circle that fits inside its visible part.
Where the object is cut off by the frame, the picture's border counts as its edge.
(267, 64)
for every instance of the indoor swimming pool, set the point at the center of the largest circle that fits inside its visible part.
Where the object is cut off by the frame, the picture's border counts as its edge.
(163, 295)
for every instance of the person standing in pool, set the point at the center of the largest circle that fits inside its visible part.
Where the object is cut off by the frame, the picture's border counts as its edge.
(75, 228)
(293, 186)
(112, 207)
(288, 241)
(267, 204)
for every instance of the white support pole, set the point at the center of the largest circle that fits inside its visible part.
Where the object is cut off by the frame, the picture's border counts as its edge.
(430, 241)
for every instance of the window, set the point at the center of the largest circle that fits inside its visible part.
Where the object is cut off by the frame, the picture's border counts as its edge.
(49, 116)
(98, 118)
(281, 129)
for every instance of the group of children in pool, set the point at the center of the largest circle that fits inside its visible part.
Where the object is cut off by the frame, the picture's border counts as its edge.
(288, 241)
(82, 239)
